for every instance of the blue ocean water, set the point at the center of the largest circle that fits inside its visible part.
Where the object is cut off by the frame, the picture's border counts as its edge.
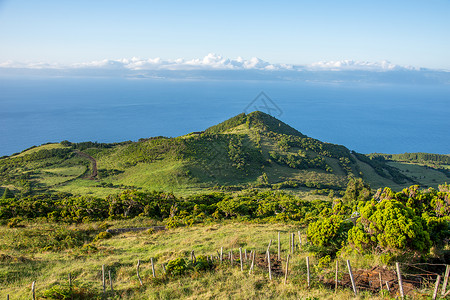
(365, 118)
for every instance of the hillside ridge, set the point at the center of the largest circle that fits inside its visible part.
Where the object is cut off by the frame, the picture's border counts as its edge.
(252, 150)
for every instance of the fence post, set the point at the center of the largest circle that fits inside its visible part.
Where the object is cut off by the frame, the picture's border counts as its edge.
(381, 283)
(307, 271)
(268, 262)
(103, 279)
(193, 258)
(299, 239)
(444, 284)
(221, 254)
(287, 269)
(400, 281)
(110, 281)
(293, 242)
(351, 277)
(270, 244)
(436, 286)
(33, 290)
(279, 246)
(153, 266)
(336, 277)
(137, 271)
(245, 255)
(253, 263)
(290, 243)
(240, 258)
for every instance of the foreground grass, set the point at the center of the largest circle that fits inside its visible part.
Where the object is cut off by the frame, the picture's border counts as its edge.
(23, 261)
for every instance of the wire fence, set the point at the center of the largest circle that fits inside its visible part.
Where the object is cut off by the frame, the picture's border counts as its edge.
(274, 260)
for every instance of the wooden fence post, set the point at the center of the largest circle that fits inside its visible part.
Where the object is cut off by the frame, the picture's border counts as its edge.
(336, 277)
(193, 258)
(103, 279)
(287, 268)
(436, 287)
(268, 262)
(137, 271)
(110, 281)
(351, 277)
(293, 242)
(270, 244)
(240, 258)
(153, 266)
(381, 283)
(253, 263)
(279, 246)
(308, 279)
(290, 243)
(231, 257)
(400, 281)
(444, 284)
(221, 254)
(299, 239)
(33, 290)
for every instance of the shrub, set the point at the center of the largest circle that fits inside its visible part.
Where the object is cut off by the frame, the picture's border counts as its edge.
(328, 233)
(176, 267)
(390, 226)
(102, 236)
(15, 223)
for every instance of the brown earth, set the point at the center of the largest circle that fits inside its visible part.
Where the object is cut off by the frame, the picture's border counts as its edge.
(93, 161)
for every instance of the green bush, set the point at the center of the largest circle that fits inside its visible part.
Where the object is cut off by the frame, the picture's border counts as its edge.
(176, 267)
(390, 226)
(15, 223)
(328, 233)
(102, 236)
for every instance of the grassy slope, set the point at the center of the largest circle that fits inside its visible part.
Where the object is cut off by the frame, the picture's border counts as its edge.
(196, 162)
(120, 254)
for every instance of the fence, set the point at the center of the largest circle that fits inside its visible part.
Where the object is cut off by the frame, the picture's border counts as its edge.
(381, 280)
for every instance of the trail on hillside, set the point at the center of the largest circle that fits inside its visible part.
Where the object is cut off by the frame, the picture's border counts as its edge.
(94, 164)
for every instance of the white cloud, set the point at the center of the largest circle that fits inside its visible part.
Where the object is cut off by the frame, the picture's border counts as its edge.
(358, 65)
(209, 62)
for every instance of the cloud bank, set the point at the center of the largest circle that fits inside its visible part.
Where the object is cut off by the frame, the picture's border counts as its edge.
(214, 66)
(210, 62)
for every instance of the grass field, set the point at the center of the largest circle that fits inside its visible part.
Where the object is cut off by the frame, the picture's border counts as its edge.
(23, 261)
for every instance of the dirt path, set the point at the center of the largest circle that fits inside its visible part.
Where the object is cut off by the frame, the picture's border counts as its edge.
(93, 161)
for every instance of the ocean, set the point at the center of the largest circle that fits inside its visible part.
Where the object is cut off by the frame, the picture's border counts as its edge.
(363, 117)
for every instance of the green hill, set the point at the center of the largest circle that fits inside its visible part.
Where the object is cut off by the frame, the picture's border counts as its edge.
(248, 150)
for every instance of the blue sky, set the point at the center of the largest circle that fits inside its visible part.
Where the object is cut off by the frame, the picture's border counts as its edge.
(413, 33)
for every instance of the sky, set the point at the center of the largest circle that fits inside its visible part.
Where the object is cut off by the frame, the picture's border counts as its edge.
(407, 33)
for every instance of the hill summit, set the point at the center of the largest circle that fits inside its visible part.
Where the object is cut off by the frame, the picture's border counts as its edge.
(248, 150)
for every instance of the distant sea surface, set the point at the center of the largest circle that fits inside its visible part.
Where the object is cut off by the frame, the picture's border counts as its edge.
(365, 118)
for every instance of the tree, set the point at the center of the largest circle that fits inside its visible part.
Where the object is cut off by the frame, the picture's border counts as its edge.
(357, 191)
